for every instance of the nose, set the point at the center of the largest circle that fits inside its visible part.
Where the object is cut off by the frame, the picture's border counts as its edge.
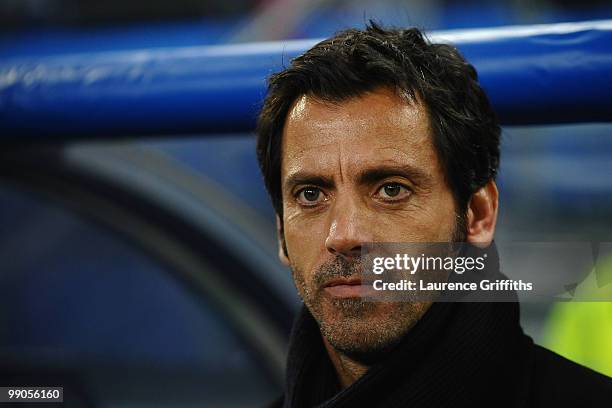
(347, 231)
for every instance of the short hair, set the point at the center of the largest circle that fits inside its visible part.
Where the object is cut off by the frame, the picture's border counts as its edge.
(466, 133)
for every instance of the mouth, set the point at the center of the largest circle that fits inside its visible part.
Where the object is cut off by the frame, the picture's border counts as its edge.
(346, 287)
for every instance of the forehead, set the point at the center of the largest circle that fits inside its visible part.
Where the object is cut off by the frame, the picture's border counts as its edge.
(375, 127)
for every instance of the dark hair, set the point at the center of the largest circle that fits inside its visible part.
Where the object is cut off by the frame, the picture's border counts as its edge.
(466, 133)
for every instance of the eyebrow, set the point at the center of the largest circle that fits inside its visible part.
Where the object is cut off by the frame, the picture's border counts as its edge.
(367, 176)
(300, 178)
(379, 173)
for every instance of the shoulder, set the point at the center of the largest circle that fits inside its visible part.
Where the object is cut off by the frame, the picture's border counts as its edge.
(560, 382)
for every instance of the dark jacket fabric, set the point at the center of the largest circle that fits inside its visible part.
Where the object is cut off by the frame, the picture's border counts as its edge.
(457, 355)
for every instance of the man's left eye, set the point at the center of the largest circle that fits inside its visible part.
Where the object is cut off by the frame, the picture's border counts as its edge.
(393, 191)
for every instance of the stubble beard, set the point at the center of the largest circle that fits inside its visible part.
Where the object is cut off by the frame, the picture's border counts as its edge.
(359, 327)
(356, 326)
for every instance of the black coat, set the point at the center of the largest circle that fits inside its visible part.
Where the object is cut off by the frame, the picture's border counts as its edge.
(457, 355)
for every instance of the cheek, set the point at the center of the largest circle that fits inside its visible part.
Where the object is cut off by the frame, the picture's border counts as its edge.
(428, 219)
(440, 218)
(305, 240)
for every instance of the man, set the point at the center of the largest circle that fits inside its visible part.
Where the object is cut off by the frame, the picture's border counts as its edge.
(380, 136)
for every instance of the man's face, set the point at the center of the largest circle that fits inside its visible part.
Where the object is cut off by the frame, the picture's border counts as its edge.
(362, 170)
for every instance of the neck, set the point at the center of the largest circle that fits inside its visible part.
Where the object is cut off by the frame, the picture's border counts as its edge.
(347, 369)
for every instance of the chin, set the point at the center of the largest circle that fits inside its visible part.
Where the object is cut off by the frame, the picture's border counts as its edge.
(357, 327)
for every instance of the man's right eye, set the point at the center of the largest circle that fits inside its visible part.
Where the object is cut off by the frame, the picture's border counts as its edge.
(310, 196)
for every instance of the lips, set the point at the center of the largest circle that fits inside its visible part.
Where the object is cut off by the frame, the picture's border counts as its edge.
(345, 287)
(353, 281)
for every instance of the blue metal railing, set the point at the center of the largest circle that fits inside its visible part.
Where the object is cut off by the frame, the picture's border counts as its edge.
(557, 73)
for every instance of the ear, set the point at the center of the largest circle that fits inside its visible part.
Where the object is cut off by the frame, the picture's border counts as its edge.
(482, 215)
(282, 247)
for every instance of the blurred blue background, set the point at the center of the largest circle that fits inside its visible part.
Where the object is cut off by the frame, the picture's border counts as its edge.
(142, 271)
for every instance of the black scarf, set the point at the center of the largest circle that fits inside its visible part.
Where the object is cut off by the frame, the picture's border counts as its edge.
(457, 355)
